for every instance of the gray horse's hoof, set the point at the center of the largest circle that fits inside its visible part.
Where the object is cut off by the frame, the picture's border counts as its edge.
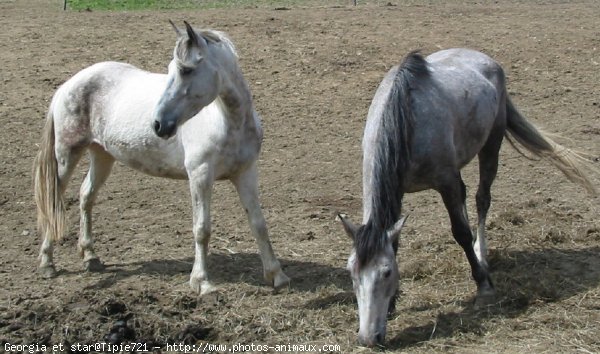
(485, 299)
(93, 265)
(48, 272)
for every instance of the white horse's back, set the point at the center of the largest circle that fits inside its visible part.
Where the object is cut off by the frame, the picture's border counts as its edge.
(110, 104)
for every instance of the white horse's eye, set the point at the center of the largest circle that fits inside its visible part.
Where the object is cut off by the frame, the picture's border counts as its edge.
(186, 71)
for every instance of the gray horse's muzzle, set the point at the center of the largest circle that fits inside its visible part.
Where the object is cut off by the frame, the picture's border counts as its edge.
(371, 341)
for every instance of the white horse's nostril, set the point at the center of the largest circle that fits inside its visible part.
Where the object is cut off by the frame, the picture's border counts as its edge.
(156, 126)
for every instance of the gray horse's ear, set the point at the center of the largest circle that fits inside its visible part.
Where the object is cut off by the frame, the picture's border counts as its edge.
(350, 228)
(394, 232)
(177, 30)
(194, 37)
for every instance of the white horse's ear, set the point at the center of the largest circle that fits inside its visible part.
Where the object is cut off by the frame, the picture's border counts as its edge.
(394, 232)
(177, 30)
(350, 228)
(194, 37)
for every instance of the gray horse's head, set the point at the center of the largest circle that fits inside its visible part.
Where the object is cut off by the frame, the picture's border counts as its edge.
(375, 281)
(193, 80)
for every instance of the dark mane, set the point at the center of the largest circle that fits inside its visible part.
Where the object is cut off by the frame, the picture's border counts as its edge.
(391, 160)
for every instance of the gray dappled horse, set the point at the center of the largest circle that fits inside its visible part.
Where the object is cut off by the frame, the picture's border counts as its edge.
(428, 119)
(198, 123)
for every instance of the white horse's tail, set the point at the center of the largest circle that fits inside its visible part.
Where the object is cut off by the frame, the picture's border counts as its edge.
(568, 161)
(51, 219)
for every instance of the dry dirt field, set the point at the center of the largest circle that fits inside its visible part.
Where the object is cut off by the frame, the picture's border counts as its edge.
(313, 72)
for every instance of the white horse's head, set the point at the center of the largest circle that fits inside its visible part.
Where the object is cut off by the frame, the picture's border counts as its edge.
(374, 278)
(193, 79)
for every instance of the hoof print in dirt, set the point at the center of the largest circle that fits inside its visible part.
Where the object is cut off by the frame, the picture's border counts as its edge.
(119, 333)
(186, 302)
(214, 299)
(48, 272)
(485, 302)
(192, 334)
(94, 265)
(112, 307)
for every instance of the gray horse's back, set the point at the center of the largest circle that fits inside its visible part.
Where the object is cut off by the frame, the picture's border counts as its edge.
(465, 58)
(455, 110)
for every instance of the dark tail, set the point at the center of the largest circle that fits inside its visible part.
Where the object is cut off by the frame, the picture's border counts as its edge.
(568, 161)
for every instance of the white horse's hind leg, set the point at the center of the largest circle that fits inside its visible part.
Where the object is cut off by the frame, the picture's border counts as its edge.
(47, 269)
(100, 166)
(201, 181)
(67, 159)
(247, 188)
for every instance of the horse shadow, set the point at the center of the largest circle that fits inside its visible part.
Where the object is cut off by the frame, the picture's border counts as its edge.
(235, 268)
(522, 278)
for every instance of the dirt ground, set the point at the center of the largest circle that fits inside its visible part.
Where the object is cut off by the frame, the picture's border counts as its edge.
(313, 72)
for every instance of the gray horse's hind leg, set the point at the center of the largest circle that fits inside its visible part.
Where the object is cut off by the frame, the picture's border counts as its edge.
(454, 194)
(488, 166)
(100, 166)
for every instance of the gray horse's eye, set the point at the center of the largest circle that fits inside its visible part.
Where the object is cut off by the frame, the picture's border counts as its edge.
(387, 273)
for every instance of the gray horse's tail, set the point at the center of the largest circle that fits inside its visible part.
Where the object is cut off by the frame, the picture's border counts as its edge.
(51, 219)
(568, 161)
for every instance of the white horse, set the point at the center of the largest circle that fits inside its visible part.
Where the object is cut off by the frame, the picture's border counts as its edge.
(115, 111)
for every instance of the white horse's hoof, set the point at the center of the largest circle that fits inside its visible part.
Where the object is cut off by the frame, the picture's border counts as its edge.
(48, 272)
(202, 286)
(280, 280)
(93, 265)
(207, 288)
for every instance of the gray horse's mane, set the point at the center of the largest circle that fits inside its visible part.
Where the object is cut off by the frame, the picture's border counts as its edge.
(212, 37)
(391, 160)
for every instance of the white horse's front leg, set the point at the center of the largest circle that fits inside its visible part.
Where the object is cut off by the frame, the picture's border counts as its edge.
(201, 180)
(247, 188)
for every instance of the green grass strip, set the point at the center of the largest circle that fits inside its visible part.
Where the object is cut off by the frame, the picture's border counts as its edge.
(124, 5)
